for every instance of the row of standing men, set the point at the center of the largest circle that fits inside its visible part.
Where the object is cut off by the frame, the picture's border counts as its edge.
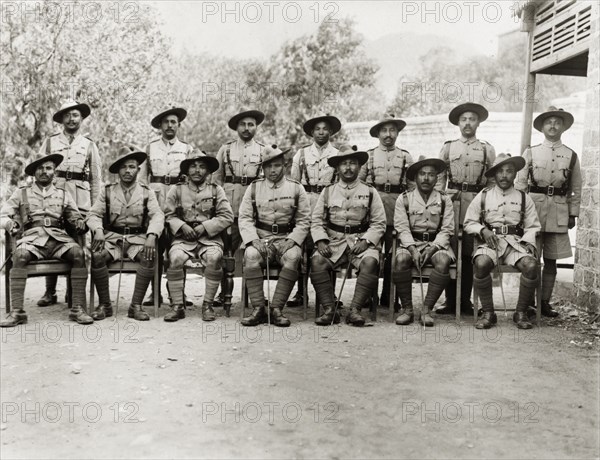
(552, 171)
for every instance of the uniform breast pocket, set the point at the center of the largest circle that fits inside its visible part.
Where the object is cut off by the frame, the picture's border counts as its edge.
(206, 206)
(359, 208)
(336, 207)
(455, 156)
(398, 162)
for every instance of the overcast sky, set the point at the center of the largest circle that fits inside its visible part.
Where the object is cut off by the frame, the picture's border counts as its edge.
(259, 28)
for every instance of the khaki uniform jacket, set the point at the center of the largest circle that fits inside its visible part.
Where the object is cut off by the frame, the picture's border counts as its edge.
(80, 156)
(464, 157)
(275, 204)
(127, 214)
(54, 202)
(387, 167)
(198, 207)
(311, 161)
(424, 217)
(348, 205)
(244, 159)
(550, 164)
(164, 158)
(503, 208)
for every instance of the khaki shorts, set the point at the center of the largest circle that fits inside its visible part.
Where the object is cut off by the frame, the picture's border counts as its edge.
(52, 250)
(354, 259)
(556, 246)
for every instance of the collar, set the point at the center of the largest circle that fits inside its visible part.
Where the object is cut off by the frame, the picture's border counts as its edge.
(385, 149)
(551, 144)
(505, 192)
(196, 188)
(127, 189)
(248, 144)
(321, 148)
(467, 140)
(168, 142)
(67, 136)
(275, 184)
(44, 190)
(348, 186)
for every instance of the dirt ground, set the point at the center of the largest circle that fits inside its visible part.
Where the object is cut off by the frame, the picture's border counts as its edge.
(124, 389)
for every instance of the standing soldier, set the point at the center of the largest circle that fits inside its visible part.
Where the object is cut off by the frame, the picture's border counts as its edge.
(424, 220)
(40, 211)
(196, 213)
(161, 170)
(467, 159)
(80, 173)
(310, 168)
(274, 221)
(552, 176)
(506, 222)
(126, 222)
(239, 166)
(386, 171)
(348, 223)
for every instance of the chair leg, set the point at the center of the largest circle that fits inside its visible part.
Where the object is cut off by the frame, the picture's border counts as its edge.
(458, 277)
(374, 303)
(538, 312)
(69, 291)
(304, 281)
(7, 288)
(92, 288)
(157, 290)
(244, 302)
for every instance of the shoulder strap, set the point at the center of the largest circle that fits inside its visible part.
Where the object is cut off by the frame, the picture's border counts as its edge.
(443, 198)
(107, 205)
(253, 198)
(530, 170)
(368, 215)
(405, 201)
(326, 203)
(522, 212)
(303, 167)
(145, 212)
(567, 183)
(482, 212)
(228, 160)
(48, 146)
(25, 204)
(213, 212)
(371, 167)
(483, 166)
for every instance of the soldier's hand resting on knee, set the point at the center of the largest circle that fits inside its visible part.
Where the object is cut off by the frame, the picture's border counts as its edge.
(188, 233)
(81, 226)
(416, 255)
(490, 238)
(98, 240)
(324, 249)
(360, 247)
(287, 245)
(261, 247)
(12, 227)
(200, 230)
(150, 246)
(429, 252)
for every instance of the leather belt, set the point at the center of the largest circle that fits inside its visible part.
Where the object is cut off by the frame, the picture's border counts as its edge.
(244, 180)
(127, 230)
(69, 175)
(167, 180)
(507, 230)
(361, 228)
(275, 228)
(550, 190)
(466, 187)
(389, 188)
(424, 236)
(314, 188)
(45, 222)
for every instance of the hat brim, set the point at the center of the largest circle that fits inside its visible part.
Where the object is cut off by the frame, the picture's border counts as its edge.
(282, 154)
(439, 165)
(140, 157)
(457, 111)
(55, 158)
(519, 163)
(256, 114)
(332, 121)
(362, 158)
(374, 131)
(211, 162)
(84, 109)
(177, 111)
(567, 118)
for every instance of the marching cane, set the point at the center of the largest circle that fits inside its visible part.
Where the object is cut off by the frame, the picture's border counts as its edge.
(339, 297)
(121, 271)
(268, 284)
(422, 296)
(500, 279)
(5, 262)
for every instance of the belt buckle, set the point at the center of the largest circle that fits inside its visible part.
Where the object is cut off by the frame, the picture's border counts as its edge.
(426, 237)
(550, 190)
(319, 188)
(504, 229)
(347, 229)
(126, 230)
(464, 187)
(68, 174)
(167, 180)
(387, 187)
(47, 222)
(274, 229)
(244, 180)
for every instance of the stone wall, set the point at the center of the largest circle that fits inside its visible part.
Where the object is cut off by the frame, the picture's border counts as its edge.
(587, 255)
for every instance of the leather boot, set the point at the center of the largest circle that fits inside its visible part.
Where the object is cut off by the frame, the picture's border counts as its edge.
(426, 319)
(437, 283)
(258, 316)
(365, 285)
(219, 300)
(522, 320)
(208, 314)
(278, 319)
(526, 296)
(49, 297)
(102, 311)
(14, 318)
(18, 279)
(354, 318)
(177, 312)
(212, 280)
(321, 281)
(403, 281)
(298, 298)
(487, 320)
(137, 312)
(79, 278)
(547, 310)
(104, 308)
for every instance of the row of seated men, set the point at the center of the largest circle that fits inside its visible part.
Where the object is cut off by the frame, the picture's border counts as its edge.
(467, 160)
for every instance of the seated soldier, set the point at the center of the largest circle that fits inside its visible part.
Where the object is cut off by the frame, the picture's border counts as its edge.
(506, 222)
(424, 220)
(196, 213)
(41, 210)
(348, 223)
(274, 221)
(126, 221)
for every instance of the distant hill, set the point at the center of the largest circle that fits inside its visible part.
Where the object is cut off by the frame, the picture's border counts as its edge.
(399, 54)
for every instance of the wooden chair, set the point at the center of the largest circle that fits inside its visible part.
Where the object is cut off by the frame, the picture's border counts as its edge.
(274, 275)
(129, 266)
(37, 268)
(455, 274)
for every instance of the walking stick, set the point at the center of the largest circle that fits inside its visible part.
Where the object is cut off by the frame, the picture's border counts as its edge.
(6, 261)
(500, 279)
(337, 302)
(422, 296)
(268, 284)
(121, 271)
(392, 293)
